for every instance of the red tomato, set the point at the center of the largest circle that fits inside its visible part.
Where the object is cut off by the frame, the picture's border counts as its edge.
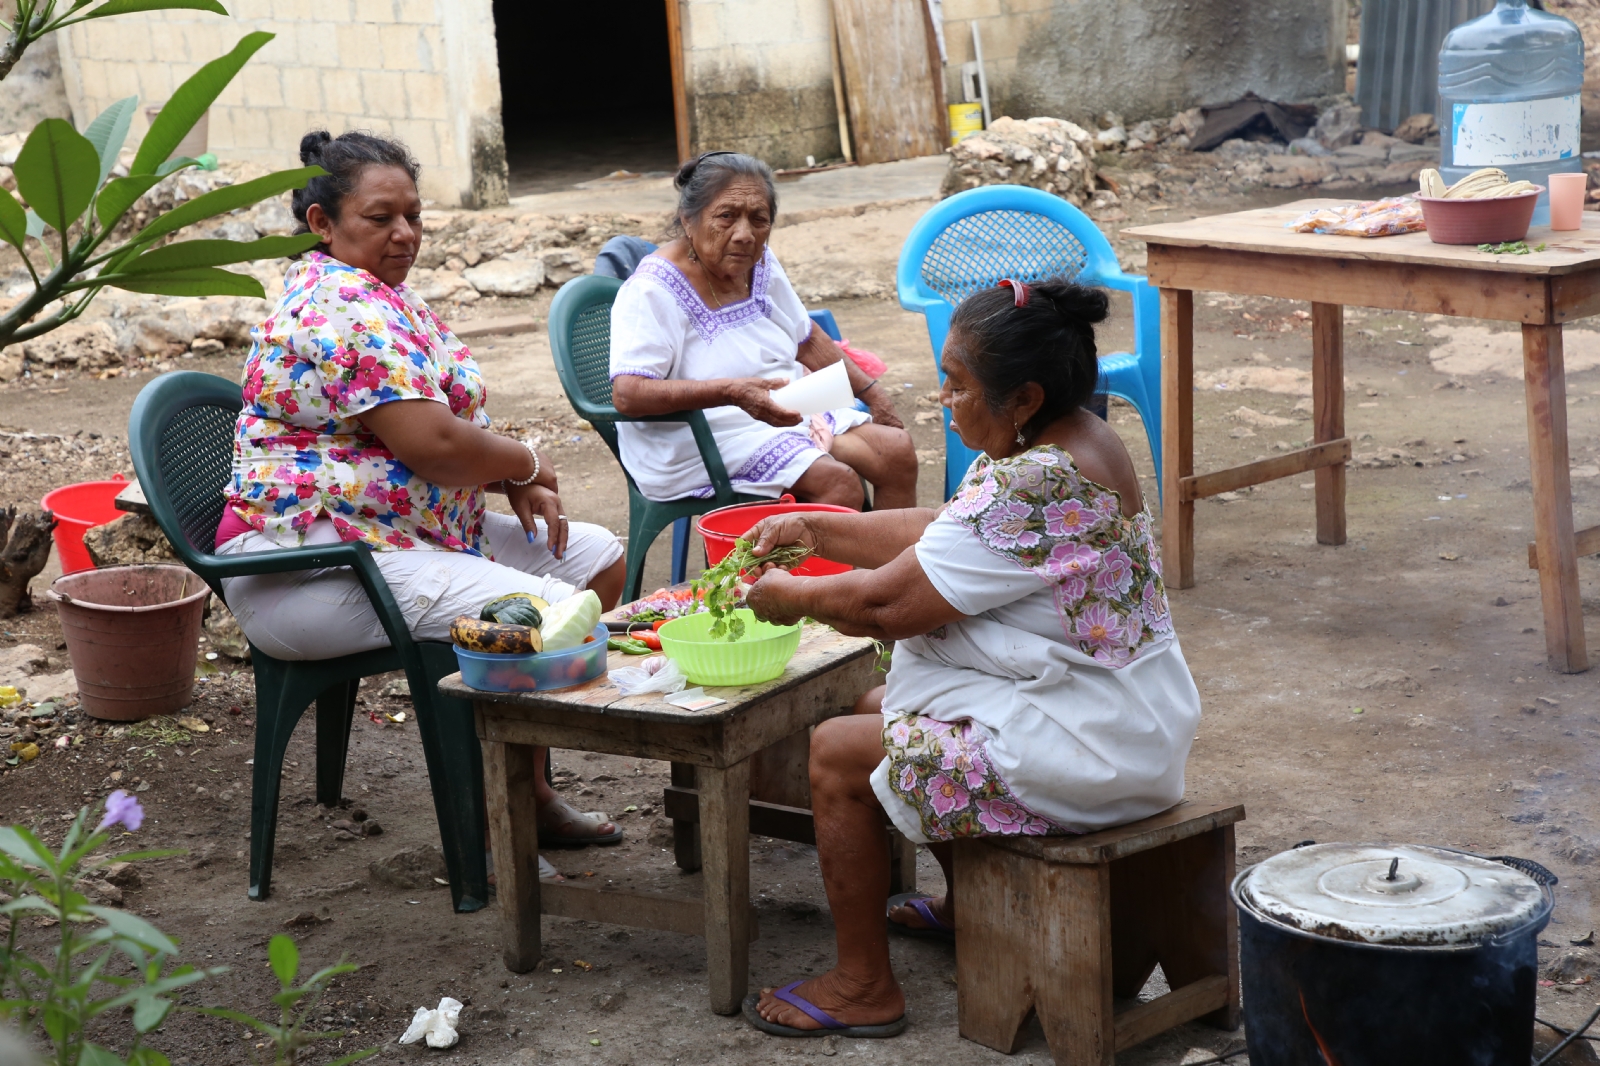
(656, 626)
(651, 640)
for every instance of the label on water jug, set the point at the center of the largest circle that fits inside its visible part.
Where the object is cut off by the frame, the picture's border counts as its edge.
(1510, 134)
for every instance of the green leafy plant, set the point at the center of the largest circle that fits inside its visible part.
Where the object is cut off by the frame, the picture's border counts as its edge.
(61, 989)
(721, 589)
(65, 179)
(297, 1004)
(1510, 248)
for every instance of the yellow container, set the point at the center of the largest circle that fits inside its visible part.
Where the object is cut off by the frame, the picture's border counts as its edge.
(965, 119)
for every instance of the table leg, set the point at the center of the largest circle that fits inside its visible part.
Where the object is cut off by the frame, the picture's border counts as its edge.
(902, 863)
(509, 773)
(1327, 398)
(725, 849)
(1545, 380)
(1177, 436)
(685, 835)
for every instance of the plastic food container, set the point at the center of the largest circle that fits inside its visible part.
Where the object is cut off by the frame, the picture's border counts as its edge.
(1506, 218)
(722, 527)
(760, 655)
(547, 670)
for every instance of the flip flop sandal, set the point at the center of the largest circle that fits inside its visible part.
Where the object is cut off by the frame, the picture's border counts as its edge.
(561, 814)
(831, 1026)
(918, 901)
(547, 872)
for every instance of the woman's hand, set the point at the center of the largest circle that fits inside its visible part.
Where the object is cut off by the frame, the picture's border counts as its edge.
(754, 397)
(538, 501)
(775, 532)
(772, 597)
(881, 405)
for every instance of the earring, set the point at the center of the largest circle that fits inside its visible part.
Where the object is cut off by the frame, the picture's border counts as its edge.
(693, 256)
(1021, 440)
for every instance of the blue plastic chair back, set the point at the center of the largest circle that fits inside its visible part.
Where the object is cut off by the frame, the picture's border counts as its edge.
(975, 238)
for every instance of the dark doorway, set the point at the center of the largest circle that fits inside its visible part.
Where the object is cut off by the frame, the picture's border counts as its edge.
(586, 90)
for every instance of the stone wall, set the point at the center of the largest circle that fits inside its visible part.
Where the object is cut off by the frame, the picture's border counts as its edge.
(1145, 59)
(760, 78)
(422, 71)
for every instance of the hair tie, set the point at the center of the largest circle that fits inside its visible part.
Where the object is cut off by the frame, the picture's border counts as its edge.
(1019, 290)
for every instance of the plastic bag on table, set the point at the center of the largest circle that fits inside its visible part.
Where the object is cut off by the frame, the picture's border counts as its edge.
(655, 674)
(1369, 218)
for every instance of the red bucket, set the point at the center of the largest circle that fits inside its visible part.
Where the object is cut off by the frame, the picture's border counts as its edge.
(78, 509)
(722, 527)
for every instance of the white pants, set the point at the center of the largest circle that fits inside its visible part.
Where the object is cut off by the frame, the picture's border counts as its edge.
(323, 614)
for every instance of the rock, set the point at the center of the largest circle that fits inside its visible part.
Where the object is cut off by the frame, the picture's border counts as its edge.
(1045, 153)
(127, 541)
(413, 868)
(1112, 139)
(1414, 153)
(20, 661)
(161, 334)
(1417, 128)
(11, 363)
(273, 218)
(123, 875)
(561, 265)
(438, 286)
(1338, 125)
(396, 689)
(223, 631)
(1384, 679)
(43, 687)
(608, 1002)
(86, 345)
(507, 277)
(1572, 965)
(207, 346)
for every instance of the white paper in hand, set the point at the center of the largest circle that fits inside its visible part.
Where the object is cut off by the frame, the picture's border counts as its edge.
(826, 390)
(438, 1027)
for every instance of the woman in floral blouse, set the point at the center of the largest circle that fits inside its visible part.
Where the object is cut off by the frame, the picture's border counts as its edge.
(1037, 686)
(364, 421)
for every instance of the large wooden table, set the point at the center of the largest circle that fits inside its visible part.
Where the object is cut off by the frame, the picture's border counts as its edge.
(763, 727)
(1251, 253)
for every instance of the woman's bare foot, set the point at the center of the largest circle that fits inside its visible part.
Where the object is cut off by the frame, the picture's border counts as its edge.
(558, 818)
(911, 919)
(846, 999)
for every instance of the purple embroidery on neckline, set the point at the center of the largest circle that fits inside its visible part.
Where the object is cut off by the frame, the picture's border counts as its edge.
(770, 458)
(711, 323)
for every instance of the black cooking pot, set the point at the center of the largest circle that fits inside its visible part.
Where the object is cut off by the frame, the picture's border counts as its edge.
(1317, 994)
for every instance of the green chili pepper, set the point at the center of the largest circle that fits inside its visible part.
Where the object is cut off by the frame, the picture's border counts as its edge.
(628, 646)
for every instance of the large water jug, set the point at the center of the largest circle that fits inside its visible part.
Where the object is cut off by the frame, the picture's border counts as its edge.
(1509, 85)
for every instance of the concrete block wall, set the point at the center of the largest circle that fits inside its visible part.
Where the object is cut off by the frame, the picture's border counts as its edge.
(409, 69)
(1145, 58)
(759, 78)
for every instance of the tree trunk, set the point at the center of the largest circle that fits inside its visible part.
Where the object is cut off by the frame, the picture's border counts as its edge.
(22, 556)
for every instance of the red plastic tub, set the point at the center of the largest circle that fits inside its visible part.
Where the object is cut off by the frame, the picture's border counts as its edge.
(78, 509)
(1479, 221)
(722, 527)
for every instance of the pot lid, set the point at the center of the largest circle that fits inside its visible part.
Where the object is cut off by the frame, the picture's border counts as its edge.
(1392, 894)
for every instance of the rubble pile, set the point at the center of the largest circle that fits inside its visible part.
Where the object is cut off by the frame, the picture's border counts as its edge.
(1045, 153)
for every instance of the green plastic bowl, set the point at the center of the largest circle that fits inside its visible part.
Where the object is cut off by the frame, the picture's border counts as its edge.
(760, 655)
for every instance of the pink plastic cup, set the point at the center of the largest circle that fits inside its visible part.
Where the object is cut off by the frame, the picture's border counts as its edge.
(1566, 200)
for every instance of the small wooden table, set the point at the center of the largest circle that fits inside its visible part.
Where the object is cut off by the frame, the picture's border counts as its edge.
(711, 752)
(1251, 253)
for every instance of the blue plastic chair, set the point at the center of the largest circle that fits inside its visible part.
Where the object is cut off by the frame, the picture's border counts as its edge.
(975, 238)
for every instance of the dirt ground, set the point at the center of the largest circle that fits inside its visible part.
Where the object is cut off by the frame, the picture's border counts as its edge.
(1350, 694)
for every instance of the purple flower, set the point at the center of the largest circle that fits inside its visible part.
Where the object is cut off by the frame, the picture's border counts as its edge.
(1001, 816)
(1074, 590)
(1069, 559)
(1156, 613)
(900, 733)
(973, 498)
(945, 795)
(1068, 518)
(1098, 628)
(124, 808)
(908, 779)
(975, 770)
(1115, 576)
(1007, 526)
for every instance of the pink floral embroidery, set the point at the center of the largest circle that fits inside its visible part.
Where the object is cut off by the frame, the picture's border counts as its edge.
(942, 770)
(1038, 511)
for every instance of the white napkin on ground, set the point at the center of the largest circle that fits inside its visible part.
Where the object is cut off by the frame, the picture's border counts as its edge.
(438, 1027)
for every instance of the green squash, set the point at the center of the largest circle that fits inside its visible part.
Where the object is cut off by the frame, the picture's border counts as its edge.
(517, 608)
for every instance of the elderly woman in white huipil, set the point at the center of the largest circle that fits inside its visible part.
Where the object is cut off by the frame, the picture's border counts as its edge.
(710, 322)
(1037, 686)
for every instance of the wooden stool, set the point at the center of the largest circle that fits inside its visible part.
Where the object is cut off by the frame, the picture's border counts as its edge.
(1062, 925)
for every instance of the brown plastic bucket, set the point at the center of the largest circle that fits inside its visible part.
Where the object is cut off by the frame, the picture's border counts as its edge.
(133, 634)
(1496, 221)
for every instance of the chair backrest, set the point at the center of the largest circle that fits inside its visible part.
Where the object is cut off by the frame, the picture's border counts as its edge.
(975, 238)
(580, 341)
(180, 434)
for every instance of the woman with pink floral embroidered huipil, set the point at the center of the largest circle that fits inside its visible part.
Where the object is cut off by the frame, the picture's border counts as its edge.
(1037, 686)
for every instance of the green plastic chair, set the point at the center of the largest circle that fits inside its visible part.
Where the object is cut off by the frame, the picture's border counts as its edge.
(181, 435)
(580, 339)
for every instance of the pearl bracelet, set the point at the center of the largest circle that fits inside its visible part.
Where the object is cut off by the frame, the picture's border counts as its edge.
(531, 478)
